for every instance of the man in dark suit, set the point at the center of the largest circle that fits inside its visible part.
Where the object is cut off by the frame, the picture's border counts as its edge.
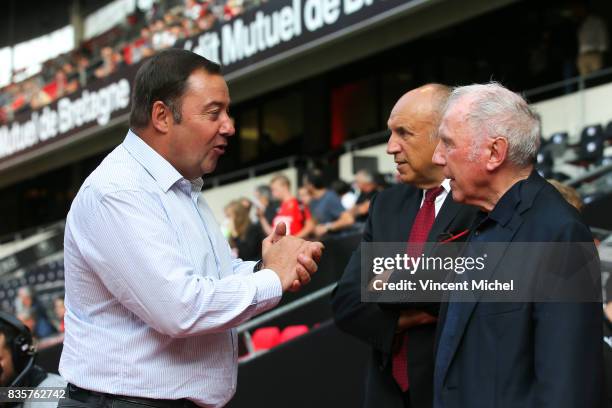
(541, 353)
(420, 209)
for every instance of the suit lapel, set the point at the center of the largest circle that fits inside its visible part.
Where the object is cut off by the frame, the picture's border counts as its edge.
(409, 207)
(445, 217)
(465, 309)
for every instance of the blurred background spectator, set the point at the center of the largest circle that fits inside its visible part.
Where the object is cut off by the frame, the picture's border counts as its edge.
(325, 205)
(296, 217)
(266, 206)
(245, 236)
(345, 192)
(60, 310)
(365, 182)
(32, 313)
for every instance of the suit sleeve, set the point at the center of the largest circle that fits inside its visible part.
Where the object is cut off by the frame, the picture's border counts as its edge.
(366, 321)
(568, 356)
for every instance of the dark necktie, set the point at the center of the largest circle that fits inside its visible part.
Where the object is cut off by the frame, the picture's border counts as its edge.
(416, 242)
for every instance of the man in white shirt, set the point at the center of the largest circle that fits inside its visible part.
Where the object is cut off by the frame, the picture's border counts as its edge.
(153, 295)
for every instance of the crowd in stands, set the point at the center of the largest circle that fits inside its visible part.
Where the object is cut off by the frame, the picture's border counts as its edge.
(140, 36)
(320, 209)
(42, 322)
(585, 45)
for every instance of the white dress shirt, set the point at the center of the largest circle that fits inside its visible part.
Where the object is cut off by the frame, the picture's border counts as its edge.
(441, 197)
(152, 291)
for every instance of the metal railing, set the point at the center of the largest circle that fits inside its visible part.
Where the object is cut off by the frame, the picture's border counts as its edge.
(28, 232)
(580, 81)
(589, 175)
(245, 328)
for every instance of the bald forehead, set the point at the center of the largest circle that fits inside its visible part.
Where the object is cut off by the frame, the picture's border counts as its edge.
(426, 100)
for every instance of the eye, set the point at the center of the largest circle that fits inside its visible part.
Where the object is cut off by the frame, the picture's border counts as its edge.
(214, 114)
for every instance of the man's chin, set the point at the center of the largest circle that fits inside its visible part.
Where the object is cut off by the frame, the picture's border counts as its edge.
(457, 196)
(208, 168)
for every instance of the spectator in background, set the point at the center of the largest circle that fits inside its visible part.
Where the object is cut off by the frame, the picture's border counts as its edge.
(290, 212)
(193, 10)
(366, 183)
(592, 41)
(304, 196)
(83, 69)
(232, 8)
(245, 237)
(60, 310)
(108, 63)
(266, 206)
(345, 192)
(17, 369)
(569, 193)
(29, 310)
(325, 204)
(304, 199)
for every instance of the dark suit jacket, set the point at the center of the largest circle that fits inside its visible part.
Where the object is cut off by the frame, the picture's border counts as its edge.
(537, 354)
(392, 213)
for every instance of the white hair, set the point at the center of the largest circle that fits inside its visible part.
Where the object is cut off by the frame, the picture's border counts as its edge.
(498, 112)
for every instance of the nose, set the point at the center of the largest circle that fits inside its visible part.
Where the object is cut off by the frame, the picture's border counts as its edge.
(439, 156)
(227, 128)
(392, 145)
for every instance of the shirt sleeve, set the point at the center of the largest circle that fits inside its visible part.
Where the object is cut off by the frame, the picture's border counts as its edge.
(335, 207)
(129, 242)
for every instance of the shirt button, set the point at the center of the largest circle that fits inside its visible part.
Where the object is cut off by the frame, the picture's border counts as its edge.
(477, 233)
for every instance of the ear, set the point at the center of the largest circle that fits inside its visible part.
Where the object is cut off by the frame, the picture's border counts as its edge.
(161, 117)
(498, 152)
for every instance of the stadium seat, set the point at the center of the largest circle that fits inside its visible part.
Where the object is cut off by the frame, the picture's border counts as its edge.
(265, 338)
(557, 143)
(608, 132)
(545, 162)
(291, 332)
(591, 143)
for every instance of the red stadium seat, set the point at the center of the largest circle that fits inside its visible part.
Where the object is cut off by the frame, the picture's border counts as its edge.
(265, 338)
(291, 332)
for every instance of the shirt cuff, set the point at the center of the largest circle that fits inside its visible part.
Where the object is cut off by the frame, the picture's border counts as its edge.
(269, 290)
(245, 267)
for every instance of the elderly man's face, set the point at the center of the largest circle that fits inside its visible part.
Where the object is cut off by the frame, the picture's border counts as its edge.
(412, 143)
(202, 135)
(460, 154)
(6, 362)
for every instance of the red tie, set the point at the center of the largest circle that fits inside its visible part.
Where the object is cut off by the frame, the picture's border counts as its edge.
(416, 242)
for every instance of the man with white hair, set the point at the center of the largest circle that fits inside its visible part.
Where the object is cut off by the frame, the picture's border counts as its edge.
(522, 352)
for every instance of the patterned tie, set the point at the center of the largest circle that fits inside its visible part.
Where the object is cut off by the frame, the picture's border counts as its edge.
(416, 242)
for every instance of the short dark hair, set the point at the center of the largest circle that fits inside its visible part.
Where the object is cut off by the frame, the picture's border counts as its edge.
(264, 191)
(316, 178)
(9, 333)
(164, 78)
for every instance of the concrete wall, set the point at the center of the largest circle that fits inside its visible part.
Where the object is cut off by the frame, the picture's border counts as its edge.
(573, 112)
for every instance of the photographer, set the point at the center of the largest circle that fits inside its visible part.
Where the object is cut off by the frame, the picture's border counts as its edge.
(17, 368)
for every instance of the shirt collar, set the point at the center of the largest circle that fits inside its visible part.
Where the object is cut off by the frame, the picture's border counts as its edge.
(159, 168)
(446, 185)
(507, 204)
